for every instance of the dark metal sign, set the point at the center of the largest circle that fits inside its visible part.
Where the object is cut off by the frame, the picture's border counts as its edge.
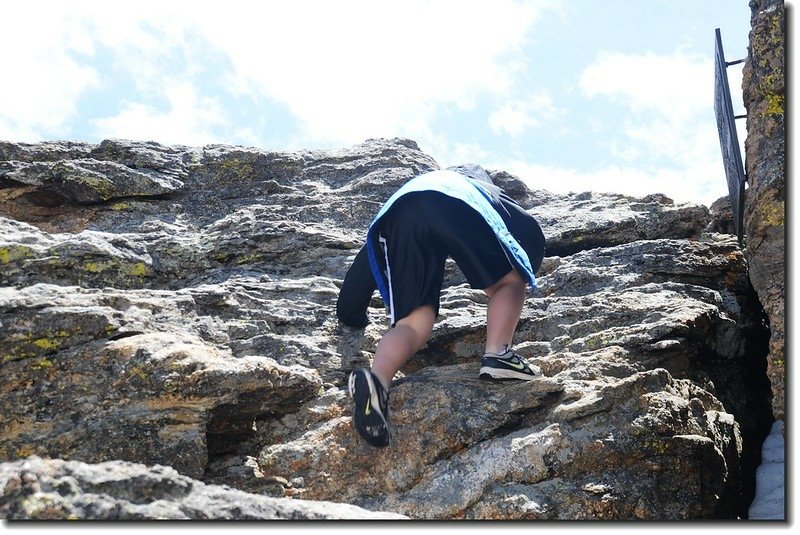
(728, 139)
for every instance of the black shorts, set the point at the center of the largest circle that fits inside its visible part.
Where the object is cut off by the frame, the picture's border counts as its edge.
(415, 238)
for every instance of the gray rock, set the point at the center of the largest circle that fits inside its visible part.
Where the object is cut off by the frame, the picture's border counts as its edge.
(46, 151)
(115, 490)
(89, 181)
(170, 161)
(764, 88)
(721, 217)
(619, 325)
(95, 375)
(459, 442)
(91, 258)
(28, 173)
(196, 329)
(576, 222)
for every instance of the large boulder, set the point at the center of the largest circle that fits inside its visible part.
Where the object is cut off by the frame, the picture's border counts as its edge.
(631, 355)
(93, 375)
(576, 222)
(116, 490)
(765, 210)
(195, 328)
(643, 446)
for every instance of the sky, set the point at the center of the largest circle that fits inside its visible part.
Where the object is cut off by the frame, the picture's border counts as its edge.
(569, 95)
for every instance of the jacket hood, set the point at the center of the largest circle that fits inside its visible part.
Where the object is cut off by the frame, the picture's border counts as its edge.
(473, 171)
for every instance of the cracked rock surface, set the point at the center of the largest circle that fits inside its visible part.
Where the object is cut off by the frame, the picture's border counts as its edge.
(175, 307)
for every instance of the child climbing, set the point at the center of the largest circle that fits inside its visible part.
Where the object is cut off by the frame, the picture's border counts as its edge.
(457, 212)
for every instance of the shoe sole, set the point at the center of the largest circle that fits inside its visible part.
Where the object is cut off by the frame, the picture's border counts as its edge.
(500, 374)
(372, 427)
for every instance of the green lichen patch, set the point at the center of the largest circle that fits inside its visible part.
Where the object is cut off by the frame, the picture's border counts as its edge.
(42, 364)
(238, 167)
(248, 259)
(596, 341)
(115, 267)
(14, 253)
(139, 269)
(772, 214)
(139, 372)
(47, 343)
(657, 445)
(19, 346)
(97, 267)
(772, 83)
(95, 185)
(774, 105)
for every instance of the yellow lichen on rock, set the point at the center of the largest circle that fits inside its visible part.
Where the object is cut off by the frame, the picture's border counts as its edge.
(47, 343)
(773, 214)
(774, 105)
(14, 252)
(139, 269)
(42, 363)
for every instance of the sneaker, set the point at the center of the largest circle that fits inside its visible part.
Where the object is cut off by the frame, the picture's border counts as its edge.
(371, 411)
(507, 365)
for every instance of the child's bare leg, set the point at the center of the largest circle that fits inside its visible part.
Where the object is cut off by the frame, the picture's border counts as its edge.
(401, 341)
(506, 298)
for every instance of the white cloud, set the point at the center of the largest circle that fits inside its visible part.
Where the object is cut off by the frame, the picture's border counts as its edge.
(516, 116)
(681, 185)
(43, 76)
(190, 120)
(357, 69)
(347, 70)
(677, 85)
(449, 153)
(735, 82)
(667, 141)
(58, 44)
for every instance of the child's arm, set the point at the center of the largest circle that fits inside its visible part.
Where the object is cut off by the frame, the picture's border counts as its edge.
(356, 292)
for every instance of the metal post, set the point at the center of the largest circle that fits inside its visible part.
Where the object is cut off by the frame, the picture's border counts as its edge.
(728, 138)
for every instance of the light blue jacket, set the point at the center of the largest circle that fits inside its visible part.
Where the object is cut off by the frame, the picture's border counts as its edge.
(455, 185)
